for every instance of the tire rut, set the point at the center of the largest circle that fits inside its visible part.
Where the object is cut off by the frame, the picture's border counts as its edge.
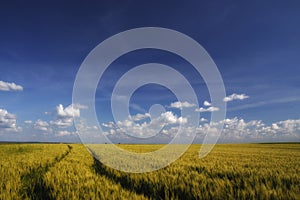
(126, 182)
(33, 183)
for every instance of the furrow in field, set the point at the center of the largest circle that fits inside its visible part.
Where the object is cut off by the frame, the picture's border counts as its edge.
(33, 183)
(75, 178)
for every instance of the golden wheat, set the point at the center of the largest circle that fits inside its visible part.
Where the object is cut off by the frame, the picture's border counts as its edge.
(61, 171)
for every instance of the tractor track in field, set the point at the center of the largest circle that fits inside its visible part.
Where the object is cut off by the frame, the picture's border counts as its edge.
(33, 183)
(126, 182)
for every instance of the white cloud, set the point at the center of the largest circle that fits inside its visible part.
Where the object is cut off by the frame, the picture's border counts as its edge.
(63, 119)
(70, 111)
(275, 126)
(108, 125)
(144, 129)
(5, 86)
(64, 116)
(203, 120)
(206, 103)
(62, 122)
(256, 130)
(209, 109)
(235, 96)
(8, 122)
(181, 105)
(84, 126)
(287, 126)
(64, 133)
(169, 118)
(42, 126)
(235, 129)
(166, 124)
(182, 120)
(139, 116)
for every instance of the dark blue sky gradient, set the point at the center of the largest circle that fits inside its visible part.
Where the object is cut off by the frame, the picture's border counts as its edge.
(255, 44)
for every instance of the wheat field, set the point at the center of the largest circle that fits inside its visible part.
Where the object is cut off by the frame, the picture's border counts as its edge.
(230, 171)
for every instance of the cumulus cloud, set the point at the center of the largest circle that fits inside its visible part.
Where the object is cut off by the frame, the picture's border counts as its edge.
(209, 109)
(169, 118)
(235, 96)
(203, 120)
(109, 125)
(62, 122)
(181, 105)
(5, 86)
(64, 133)
(275, 126)
(165, 126)
(69, 111)
(255, 130)
(287, 126)
(42, 126)
(206, 103)
(139, 117)
(64, 116)
(8, 122)
(234, 129)
(85, 127)
(144, 129)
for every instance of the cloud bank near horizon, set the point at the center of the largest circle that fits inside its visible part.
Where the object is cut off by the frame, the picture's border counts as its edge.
(143, 125)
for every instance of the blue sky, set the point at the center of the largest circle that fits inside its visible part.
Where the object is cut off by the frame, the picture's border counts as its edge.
(255, 46)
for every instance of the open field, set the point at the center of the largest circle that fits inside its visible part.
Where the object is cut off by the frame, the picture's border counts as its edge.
(68, 171)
